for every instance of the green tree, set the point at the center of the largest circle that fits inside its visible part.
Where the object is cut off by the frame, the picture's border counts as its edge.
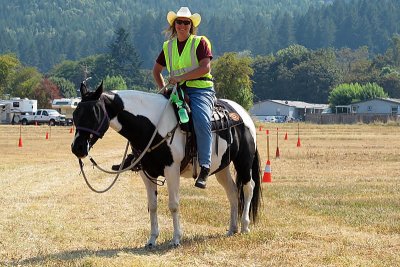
(114, 83)
(344, 94)
(371, 91)
(315, 77)
(263, 81)
(23, 82)
(125, 60)
(393, 52)
(8, 64)
(390, 82)
(69, 70)
(232, 74)
(66, 87)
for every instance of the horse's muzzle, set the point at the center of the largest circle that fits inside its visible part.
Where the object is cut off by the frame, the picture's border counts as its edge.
(80, 149)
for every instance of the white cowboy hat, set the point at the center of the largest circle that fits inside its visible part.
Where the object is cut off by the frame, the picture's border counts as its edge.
(184, 12)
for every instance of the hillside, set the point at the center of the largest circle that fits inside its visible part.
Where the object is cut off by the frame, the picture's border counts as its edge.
(42, 33)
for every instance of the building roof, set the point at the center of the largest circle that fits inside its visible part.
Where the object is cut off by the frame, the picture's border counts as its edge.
(296, 104)
(390, 100)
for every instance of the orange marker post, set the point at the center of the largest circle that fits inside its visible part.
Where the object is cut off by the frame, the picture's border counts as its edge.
(267, 172)
(298, 135)
(20, 136)
(277, 154)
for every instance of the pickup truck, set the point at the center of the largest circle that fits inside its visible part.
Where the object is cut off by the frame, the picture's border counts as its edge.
(47, 116)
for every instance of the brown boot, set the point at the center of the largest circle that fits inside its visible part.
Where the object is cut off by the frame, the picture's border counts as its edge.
(201, 181)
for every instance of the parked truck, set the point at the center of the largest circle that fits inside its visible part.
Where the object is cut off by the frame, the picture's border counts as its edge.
(41, 116)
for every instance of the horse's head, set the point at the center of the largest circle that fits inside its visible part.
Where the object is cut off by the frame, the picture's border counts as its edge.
(91, 121)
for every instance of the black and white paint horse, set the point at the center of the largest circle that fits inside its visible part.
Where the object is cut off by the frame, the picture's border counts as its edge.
(136, 115)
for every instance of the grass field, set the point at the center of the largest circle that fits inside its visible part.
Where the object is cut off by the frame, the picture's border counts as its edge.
(333, 201)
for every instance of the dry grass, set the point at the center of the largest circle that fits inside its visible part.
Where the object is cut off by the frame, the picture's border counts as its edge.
(334, 201)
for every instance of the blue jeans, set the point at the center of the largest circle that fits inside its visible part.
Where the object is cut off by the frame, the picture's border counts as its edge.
(202, 104)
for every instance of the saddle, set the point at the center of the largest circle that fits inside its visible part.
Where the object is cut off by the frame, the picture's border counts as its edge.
(223, 118)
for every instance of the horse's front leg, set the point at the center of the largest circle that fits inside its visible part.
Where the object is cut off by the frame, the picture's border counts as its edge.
(151, 189)
(172, 175)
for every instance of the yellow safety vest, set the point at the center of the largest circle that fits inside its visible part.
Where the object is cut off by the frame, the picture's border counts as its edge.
(180, 64)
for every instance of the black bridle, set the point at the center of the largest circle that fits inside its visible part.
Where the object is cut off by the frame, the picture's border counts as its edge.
(103, 124)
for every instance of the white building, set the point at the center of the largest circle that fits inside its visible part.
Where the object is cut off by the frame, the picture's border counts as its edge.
(377, 106)
(291, 110)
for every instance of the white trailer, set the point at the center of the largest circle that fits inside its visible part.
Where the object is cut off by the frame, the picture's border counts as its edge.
(16, 106)
(66, 106)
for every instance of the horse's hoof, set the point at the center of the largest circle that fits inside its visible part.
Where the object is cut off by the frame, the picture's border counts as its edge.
(231, 233)
(245, 231)
(175, 244)
(150, 246)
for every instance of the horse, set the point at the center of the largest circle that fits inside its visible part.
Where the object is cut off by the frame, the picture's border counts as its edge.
(138, 115)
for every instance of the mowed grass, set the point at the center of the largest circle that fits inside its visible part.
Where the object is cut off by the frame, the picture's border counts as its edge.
(333, 201)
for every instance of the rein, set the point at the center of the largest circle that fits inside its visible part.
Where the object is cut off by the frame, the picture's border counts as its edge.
(113, 182)
(137, 160)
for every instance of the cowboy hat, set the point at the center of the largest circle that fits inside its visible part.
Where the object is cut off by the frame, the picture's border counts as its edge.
(184, 12)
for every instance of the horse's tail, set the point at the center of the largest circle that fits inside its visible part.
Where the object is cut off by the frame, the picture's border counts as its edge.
(257, 193)
(257, 196)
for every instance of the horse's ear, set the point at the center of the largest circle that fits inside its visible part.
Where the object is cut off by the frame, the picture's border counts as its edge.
(83, 89)
(99, 91)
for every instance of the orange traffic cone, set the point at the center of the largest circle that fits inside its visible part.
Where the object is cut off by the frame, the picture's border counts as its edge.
(298, 142)
(286, 136)
(20, 142)
(260, 129)
(70, 130)
(47, 135)
(267, 173)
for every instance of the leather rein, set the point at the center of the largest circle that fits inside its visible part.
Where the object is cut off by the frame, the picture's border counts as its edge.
(147, 149)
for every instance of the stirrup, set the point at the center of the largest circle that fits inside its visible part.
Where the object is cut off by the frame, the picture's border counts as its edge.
(128, 161)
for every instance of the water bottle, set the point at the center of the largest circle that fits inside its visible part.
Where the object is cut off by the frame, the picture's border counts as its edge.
(183, 116)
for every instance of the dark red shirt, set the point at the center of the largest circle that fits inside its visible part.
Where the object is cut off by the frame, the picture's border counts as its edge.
(202, 51)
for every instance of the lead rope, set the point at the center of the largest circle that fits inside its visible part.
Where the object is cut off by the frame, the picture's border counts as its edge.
(113, 182)
(127, 145)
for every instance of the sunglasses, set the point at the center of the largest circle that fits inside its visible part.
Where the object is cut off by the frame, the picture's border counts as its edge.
(184, 22)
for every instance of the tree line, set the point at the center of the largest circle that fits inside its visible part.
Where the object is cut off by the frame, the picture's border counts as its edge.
(43, 33)
(327, 75)
(298, 73)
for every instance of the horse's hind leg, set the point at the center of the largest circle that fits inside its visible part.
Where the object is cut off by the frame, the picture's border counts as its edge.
(151, 189)
(224, 177)
(247, 195)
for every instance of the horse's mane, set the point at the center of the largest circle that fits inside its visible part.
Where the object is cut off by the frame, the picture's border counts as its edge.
(137, 93)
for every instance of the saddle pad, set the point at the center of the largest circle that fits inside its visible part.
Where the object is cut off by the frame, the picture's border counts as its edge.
(224, 116)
